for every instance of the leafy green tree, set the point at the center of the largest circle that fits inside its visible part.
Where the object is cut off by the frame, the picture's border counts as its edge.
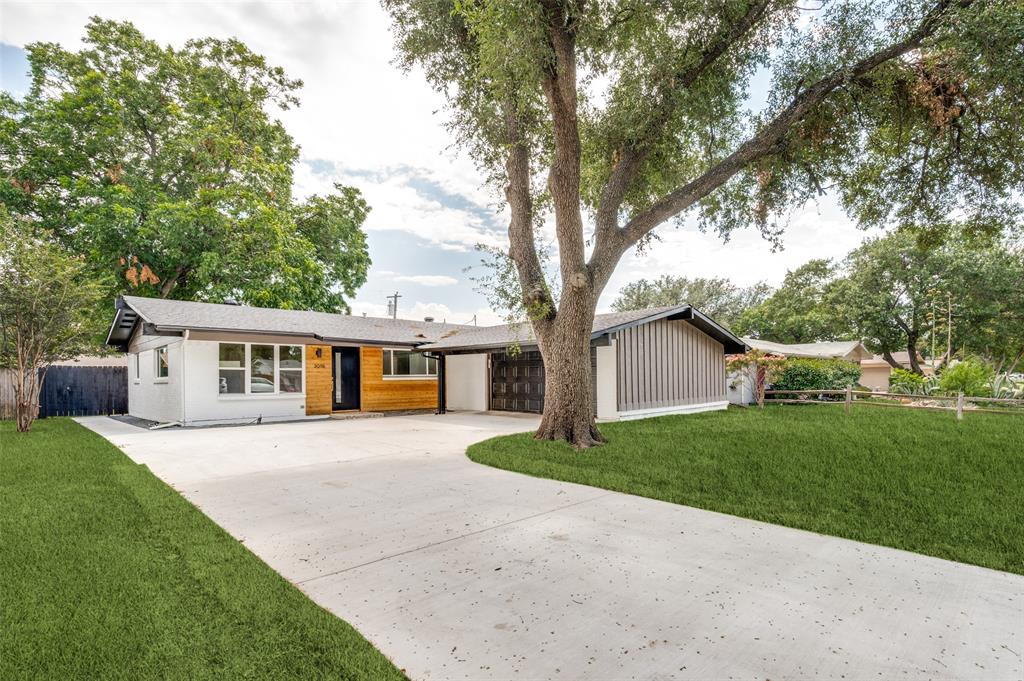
(799, 311)
(163, 167)
(896, 287)
(716, 297)
(46, 297)
(615, 117)
(988, 305)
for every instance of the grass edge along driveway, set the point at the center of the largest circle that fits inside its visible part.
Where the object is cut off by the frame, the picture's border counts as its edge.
(106, 572)
(910, 479)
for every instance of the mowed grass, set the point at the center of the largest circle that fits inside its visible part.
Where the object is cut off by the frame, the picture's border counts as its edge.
(911, 479)
(105, 572)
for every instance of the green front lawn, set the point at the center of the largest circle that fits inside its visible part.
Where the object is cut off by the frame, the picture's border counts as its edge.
(105, 572)
(914, 480)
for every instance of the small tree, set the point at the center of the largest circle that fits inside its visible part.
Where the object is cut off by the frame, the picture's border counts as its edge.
(45, 304)
(763, 366)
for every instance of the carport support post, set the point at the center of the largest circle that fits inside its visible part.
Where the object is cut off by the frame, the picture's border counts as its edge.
(442, 398)
(849, 397)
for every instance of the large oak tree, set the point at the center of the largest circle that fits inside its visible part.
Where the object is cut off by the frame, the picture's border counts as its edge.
(165, 167)
(613, 117)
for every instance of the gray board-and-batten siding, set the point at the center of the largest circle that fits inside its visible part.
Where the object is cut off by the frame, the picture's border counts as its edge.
(668, 363)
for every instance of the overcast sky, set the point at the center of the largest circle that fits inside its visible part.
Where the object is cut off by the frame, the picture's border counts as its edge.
(363, 122)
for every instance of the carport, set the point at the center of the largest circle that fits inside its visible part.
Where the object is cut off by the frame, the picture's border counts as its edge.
(643, 363)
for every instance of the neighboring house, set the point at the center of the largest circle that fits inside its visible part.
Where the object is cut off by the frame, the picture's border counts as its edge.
(741, 386)
(875, 371)
(203, 363)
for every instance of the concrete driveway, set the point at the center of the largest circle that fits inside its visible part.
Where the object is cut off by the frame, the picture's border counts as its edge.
(459, 571)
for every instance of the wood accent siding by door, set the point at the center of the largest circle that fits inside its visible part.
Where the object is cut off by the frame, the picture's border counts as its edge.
(668, 363)
(318, 380)
(380, 394)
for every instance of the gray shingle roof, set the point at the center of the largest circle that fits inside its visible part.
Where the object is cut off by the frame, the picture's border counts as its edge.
(177, 315)
(508, 334)
(827, 349)
(174, 315)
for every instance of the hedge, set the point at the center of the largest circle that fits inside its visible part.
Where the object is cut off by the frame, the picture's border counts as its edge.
(816, 374)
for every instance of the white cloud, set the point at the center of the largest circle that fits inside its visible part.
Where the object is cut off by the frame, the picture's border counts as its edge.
(428, 279)
(400, 202)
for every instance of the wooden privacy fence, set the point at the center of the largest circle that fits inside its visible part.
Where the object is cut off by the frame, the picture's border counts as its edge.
(886, 399)
(73, 391)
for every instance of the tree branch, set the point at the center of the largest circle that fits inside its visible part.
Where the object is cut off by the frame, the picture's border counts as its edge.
(772, 136)
(633, 154)
(522, 248)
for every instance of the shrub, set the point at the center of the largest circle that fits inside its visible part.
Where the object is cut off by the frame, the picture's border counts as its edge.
(816, 374)
(969, 376)
(903, 381)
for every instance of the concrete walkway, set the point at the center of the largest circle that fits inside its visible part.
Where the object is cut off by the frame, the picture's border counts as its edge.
(459, 571)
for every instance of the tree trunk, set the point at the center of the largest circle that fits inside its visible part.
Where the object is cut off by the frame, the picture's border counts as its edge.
(26, 399)
(912, 353)
(568, 398)
(887, 356)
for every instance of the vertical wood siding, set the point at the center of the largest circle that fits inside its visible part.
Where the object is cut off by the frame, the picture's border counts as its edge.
(668, 363)
(319, 381)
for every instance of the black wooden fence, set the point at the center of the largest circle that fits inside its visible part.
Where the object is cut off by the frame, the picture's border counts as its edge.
(84, 391)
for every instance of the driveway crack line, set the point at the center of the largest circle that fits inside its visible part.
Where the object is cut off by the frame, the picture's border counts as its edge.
(461, 536)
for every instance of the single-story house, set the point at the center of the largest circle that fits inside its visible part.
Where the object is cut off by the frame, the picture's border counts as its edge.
(875, 371)
(741, 390)
(204, 363)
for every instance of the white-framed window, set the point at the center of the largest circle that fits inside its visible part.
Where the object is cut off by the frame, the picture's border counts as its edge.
(408, 364)
(162, 370)
(289, 368)
(260, 369)
(231, 368)
(135, 365)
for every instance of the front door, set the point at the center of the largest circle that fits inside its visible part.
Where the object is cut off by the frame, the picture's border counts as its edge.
(346, 378)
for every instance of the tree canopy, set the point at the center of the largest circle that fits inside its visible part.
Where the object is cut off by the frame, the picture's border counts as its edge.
(716, 297)
(164, 167)
(799, 310)
(904, 293)
(964, 294)
(615, 117)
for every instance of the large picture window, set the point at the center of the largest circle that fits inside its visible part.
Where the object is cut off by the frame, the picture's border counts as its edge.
(259, 369)
(408, 364)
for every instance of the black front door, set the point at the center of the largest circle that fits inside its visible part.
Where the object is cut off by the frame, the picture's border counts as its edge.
(346, 378)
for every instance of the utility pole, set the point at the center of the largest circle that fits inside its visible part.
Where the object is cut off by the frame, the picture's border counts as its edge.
(393, 305)
(949, 327)
(933, 332)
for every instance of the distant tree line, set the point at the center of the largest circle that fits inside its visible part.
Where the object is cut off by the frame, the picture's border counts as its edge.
(962, 294)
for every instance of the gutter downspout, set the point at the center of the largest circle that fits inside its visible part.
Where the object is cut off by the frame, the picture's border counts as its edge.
(184, 344)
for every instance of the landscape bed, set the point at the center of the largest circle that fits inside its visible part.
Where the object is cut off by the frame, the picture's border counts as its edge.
(106, 572)
(917, 480)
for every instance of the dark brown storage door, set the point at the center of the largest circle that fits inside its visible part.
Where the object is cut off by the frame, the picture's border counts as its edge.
(517, 382)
